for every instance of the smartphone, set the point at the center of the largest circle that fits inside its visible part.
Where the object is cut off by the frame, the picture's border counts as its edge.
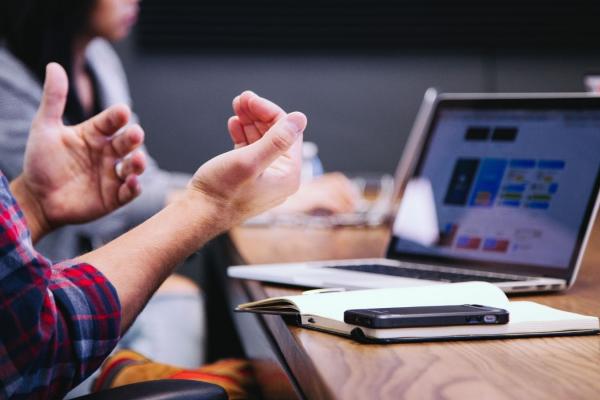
(408, 317)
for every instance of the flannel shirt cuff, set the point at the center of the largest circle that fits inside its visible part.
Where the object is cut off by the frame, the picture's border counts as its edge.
(90, 310)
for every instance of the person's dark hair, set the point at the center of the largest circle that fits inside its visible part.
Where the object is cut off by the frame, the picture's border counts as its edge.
(41, 31)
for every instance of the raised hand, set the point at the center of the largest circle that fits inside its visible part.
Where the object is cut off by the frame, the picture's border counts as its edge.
(224, 191)
(74, 174)
(259, 174)
(255, 115)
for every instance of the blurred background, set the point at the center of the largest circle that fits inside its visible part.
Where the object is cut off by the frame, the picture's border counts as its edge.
(357, 68)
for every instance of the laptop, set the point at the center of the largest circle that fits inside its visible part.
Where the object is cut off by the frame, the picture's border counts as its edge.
(500, 188)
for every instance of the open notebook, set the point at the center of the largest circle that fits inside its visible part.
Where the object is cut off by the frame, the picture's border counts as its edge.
(325, 311)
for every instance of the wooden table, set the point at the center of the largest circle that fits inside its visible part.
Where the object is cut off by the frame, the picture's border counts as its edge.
(314, 365)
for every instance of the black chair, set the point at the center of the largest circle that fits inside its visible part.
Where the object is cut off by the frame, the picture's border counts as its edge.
(165, 389)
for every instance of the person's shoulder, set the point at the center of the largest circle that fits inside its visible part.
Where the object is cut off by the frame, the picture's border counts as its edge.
(16, 78)
(102, 55)
(101, 49)
(104, 60)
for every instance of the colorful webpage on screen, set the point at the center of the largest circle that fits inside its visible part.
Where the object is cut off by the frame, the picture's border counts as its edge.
(509, 186)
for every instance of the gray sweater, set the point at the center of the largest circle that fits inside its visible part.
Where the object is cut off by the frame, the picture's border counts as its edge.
(20, 94)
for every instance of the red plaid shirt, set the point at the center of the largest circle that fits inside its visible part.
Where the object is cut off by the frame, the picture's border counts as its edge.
(57, 322)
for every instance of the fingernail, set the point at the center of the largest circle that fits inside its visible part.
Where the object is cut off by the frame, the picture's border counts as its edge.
(297, 121)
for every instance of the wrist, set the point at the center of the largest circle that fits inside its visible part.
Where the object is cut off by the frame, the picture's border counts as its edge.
(36, 219)
(204, 211)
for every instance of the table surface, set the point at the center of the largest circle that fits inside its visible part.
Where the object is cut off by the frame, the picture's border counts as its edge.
(331, 367)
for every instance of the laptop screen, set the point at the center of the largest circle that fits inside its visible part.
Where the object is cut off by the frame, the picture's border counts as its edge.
(513, 184)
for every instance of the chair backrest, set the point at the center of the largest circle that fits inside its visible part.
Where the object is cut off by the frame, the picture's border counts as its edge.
(165, 389)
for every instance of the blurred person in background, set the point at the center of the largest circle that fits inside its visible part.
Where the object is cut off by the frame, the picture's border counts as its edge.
(77, 35)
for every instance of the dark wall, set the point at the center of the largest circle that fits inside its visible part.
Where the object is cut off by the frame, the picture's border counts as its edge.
(360, 107)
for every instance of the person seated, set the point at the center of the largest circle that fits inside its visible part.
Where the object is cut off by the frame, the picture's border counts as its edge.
(78, 34)
(60, 321)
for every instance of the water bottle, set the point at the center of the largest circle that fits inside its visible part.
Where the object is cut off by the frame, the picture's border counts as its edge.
(311, 164)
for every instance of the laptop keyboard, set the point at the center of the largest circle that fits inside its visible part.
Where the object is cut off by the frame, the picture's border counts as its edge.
(422, 274)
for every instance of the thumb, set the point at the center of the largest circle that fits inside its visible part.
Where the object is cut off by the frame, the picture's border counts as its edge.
(278, 140)
(54, 97)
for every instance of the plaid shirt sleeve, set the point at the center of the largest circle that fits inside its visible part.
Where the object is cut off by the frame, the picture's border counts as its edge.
(57, 322)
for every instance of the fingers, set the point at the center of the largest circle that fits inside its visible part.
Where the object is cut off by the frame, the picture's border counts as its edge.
(331, 192)
(128, 171)
(240, 107)
(127, 141)
(345, 192)
(54, 96)
(255, 115)
(278, 140)
(252, 108)
(132, 165)
(250, 132)
(236, 131)
(105, 124)
(264, 110)
(129, 189)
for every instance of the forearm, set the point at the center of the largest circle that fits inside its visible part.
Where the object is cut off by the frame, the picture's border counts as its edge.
(34, 215)
(137, 262)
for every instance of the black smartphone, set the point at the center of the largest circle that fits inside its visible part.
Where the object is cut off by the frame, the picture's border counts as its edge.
(407, 317)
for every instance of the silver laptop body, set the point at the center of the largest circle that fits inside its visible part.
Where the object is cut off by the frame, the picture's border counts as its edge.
(495, 187)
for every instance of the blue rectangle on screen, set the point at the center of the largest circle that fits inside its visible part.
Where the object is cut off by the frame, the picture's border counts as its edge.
(514, 188)
(551, 164)
(522, 163)
(553, 188)
(488, 182)
(538, 205)
(510, 203)
(459, 187)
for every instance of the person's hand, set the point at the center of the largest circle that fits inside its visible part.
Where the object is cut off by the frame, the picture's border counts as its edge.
(260, 173)
(330, 193)
(74, 174)
(255, 115)
(223, 192)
